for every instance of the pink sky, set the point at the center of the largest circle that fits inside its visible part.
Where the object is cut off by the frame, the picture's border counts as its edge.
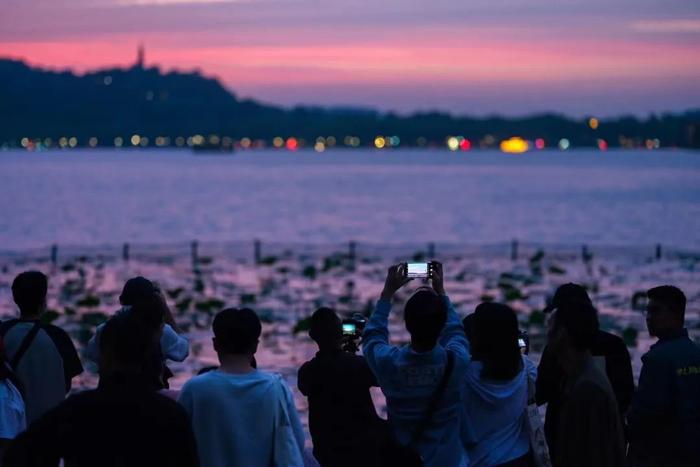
(466, 57)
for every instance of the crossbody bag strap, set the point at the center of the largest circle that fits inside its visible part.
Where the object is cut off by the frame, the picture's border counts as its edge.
(24, 346)
(434, 400)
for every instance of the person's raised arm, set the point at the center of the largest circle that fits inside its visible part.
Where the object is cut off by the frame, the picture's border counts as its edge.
(452, 337)
(375, 339)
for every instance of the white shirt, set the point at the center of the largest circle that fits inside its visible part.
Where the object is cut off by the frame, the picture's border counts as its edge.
(234, 417)
(174, 346)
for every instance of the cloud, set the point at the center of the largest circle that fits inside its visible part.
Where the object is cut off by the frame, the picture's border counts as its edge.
(668, 26)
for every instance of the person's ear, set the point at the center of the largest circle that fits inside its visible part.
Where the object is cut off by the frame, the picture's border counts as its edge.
(255, 348)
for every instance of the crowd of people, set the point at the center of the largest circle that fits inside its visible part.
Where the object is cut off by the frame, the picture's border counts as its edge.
(461, 393)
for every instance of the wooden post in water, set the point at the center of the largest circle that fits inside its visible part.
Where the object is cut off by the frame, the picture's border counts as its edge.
(258, 251)
(125, 252)
(514, 250)
(431, 251)
(352, 253)
(658, 251)
(54, 254)
(194, 249)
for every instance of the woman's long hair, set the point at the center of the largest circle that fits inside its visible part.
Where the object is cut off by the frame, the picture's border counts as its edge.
(495, 341)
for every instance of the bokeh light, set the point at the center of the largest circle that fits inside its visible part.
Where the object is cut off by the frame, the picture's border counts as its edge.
(292, 143)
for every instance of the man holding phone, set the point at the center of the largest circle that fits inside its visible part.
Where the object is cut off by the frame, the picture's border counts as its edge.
(345, 428)
(422, 381)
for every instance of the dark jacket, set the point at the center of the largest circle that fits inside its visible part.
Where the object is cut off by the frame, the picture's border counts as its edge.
(121, 423)
(551, 380)
(589, 426)
(664, 421)
(344, 425)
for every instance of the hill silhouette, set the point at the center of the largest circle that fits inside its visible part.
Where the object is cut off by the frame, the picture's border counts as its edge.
(120, 102)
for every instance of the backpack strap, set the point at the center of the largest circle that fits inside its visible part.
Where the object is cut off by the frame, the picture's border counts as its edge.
(434, 400)
(24, 346)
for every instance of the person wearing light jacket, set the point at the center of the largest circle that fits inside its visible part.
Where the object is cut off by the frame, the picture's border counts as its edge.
(410, 374)
(496, 390)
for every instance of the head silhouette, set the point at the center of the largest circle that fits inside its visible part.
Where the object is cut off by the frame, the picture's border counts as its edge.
(665, 310)
(326, 328)
(565, 293)
(126, 345)
(236, 332)
(148, 310)
(136, 289)
(425, 315)
(29, 293)
(495, 341)
(573, 327)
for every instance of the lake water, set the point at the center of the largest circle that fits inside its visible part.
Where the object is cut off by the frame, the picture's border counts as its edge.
(102, 197)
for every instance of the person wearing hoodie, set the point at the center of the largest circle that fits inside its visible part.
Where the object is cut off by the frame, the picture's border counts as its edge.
(411, 374)
(496, 390)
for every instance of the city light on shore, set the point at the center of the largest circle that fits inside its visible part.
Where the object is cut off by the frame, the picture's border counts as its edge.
(514, 145)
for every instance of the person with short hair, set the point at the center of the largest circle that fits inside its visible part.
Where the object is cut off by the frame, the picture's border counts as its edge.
(590, 429)
(410, 375)
(122, 422)
(42, 356)
(609, 352)
(242, 416)
(496, 390)
(664, 420)
(344, 425)
(174, 344)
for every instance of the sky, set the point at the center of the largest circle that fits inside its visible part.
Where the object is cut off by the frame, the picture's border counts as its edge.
(477, 57)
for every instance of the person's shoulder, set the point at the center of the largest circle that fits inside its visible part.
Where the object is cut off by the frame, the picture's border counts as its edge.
(308, 368)
(267, 376)
(165, 403)
(55, 331)
(6, 325)
(663, 353)
(204, 380)
(609, 344)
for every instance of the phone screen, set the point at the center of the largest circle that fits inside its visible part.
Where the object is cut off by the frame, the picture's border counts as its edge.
(521, 342)
(417, 270)
(349, 328)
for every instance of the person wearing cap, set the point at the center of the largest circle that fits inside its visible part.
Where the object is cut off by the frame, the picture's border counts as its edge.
(174, 345)
(664, 420)
(609, 353)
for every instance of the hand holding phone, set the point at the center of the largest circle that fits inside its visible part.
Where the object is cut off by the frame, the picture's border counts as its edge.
(437, 277)
(419, 270)
(395, 279)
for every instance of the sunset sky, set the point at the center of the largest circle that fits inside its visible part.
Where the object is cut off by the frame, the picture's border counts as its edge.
(513, 57)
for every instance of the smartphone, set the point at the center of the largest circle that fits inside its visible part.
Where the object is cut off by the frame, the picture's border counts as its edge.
(349, 329)
(418, 270)
(521, 343)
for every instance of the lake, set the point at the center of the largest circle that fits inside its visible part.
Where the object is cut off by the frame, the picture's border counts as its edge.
(99, 197)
